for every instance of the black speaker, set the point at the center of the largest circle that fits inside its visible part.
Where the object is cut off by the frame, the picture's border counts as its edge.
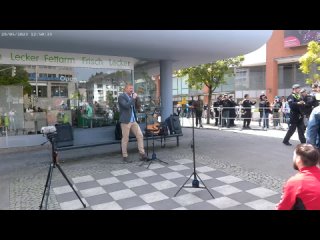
(64, 136)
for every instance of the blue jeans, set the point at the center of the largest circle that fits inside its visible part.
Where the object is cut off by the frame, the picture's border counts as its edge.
(265, 118)
(313, 128)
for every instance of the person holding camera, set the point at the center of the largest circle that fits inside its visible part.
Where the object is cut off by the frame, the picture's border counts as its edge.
(128, 121)
(296, 116)
(264, 105)
(302, 191)
(276, 107)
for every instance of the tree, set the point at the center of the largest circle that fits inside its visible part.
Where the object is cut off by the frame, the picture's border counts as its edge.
(310, 62)
(20, 78)
(110, 100)
(210, 75)
(77, 96)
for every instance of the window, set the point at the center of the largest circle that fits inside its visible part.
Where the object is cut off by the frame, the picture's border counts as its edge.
(42, 91)
(43, 76)
(252, 78)
(51, 75)
(242, 79)
(59, 91)
(289, 74)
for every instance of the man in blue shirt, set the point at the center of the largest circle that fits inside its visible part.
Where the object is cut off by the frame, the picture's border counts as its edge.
(128, 121)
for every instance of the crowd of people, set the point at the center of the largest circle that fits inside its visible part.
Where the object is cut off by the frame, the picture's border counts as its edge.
(225, 110)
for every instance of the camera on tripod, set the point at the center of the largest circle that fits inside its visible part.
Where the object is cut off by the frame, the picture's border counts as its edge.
(52, 136)
(49, 131)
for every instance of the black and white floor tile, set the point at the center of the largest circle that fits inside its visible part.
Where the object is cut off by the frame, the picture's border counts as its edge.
(139, 188)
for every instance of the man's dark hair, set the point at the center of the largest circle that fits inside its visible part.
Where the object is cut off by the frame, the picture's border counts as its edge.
(246, 95)
(309, 154)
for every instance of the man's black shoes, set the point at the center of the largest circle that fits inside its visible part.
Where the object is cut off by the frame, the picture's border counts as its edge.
(287, 143)
(126, 160)
(143, 157)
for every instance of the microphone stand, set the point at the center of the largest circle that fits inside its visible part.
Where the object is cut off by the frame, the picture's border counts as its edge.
(195, 182)
(154, 156)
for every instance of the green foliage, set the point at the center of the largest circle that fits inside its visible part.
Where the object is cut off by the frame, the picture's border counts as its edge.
(310, 62)
(77, 96)
(110, 99)
(21, 78)
(116, 116)
(210, 75)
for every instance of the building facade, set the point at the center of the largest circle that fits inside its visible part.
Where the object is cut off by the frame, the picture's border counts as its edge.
(272, 69)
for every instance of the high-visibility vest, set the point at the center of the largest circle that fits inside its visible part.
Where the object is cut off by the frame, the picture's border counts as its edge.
(6, 121)
(65, 118)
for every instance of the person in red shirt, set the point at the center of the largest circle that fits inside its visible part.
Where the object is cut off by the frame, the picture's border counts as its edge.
(302, 191)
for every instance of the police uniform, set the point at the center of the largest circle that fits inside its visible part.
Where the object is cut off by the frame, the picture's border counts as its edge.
(216, 106)
(225, 112)
(296, 117)
(246, 104)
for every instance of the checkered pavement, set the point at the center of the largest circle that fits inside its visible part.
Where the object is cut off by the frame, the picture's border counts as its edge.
(135, 187)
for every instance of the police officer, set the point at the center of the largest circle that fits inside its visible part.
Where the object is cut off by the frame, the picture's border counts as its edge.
(232, 111)
(310, 102)
(226, 104)
(216, 108)
(296, 116)
(247, 114)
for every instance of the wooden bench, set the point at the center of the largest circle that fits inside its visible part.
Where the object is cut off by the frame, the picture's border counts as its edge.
(162, 139)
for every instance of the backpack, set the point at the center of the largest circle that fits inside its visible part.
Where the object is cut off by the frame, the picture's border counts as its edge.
(164, 129)
(173, 124)
(64, 136)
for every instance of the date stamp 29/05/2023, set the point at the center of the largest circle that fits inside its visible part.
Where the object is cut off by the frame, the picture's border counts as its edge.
(25, 34)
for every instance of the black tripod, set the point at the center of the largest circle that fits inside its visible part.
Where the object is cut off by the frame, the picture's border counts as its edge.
(154, 156)
(195, 181)
(52, 138)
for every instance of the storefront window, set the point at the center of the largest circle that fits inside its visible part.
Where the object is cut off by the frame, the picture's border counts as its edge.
(42, 91)
(146, 86)
(59, 91)
(65, 90)
(252, 78)
(289, 74)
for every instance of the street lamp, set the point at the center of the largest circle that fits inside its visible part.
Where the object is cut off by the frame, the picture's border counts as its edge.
(13, 73)
(37, 81)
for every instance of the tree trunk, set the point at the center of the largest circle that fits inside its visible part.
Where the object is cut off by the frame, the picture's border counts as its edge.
(209, 105)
